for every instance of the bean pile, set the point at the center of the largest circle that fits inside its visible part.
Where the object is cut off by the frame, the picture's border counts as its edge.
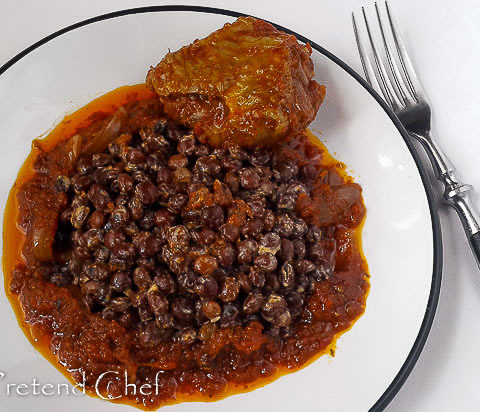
(174, 239)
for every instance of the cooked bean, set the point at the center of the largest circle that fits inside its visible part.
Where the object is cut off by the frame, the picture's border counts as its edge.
(268, 220)
(165, 283)
(257, 207)
(177, 202)
(299, 228)
(257, 278)
(195, 240)
(62, 183)
(80, 199)
(253, 228)
(206, 286)
(186, 145)
(209, 165)
(179, 263)
(287, 250)
(136, 208)
(136, 156)
(146, 244)
(93, 238)
(249, 178)
(164, 218)
(231, 179)
(230, 313)
(79, 216)
(316, 251)
(270, 243)
(287, 275)
(205, 236)
(229, 290)
(295, 303)
(244, 282)
(230, 232)
(120, 281)
(119, 217)
(96, 220)
(182, 308)
(213, 216)
(259, 157)
(304, 266)
(182, 175)
(284, 225)
(99, 291)
(253, 303)
(81, 183)
(286, 201)
(126, 320)
(163, 175)
(299, 248)
(177, 161)
(97, 271)
(84, 165)
(246, 250)
(211, 310)
(99, 197)
(232, 165)
(205, 265)
(186, 279)
(186, 336)
(125, 183)
(101, 160)
(146, 192)
(206, 331)
(275, 311)
(142, 278)
(265, 262)
(178, 238)
(158, 303)
(266, 188)
(113, 238)
(145, 313)
(285, 171)
(272, 284)
(226, 255)
(164, 321)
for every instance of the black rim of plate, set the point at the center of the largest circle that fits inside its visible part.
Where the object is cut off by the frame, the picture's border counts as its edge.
(419, 343)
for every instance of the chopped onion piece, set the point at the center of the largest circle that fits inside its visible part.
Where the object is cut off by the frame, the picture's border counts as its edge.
(43, 237)
(76, 148)
(107, 133)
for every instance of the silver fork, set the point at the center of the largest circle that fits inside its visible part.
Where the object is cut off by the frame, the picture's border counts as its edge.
(394, 77)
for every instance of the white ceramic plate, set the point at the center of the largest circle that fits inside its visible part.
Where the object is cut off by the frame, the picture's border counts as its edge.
(401, 237)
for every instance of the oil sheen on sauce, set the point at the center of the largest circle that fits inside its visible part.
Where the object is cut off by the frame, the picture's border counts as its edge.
(13, 237)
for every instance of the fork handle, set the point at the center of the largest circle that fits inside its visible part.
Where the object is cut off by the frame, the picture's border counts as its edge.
(456, 194)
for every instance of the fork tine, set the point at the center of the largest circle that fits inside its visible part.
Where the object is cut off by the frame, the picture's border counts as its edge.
(388, 90)
(397, 77)
(410, 75)
(366, 63)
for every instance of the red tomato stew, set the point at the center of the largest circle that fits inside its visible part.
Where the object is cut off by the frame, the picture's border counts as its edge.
(130, 246)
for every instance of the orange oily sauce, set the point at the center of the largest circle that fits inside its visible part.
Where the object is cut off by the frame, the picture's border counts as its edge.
(14, 237)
